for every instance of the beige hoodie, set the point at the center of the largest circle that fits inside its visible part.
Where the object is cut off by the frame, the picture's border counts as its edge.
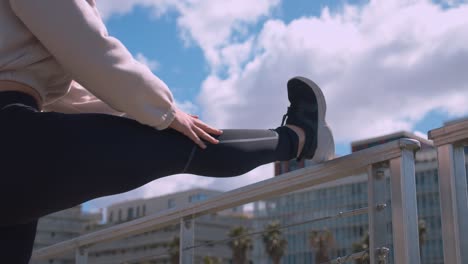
(47, 44)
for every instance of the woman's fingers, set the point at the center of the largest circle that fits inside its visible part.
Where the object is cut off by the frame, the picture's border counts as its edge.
(194, 128)
(205, 136)
(207, 128)
(193, 135)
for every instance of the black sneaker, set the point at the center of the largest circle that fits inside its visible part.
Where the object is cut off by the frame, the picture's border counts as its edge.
(307, 111)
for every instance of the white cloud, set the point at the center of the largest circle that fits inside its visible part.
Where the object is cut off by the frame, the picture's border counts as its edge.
(187, 107)
(213, 25)
(225, 184)
(210, 24)
(152, 64)
(235, 55)
(382, 67)
(108, 8)
(420, 134)
(157, 187)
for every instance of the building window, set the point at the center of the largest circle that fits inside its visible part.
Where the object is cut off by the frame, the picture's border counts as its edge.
(111, 217)
(129, 213)
(171, 203)
(197, 197)
(120, 215)
(144, 210)
(138, 211)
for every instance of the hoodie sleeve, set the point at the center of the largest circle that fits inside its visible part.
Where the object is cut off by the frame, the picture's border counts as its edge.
(79, 100)
(75, 35)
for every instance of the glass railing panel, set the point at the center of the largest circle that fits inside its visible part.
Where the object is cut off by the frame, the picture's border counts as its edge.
(154, 246)
(62, 226)
(428, 202)
(314, 225)
(466, 163)
(305, 215)
(451, 141)
(213, 233)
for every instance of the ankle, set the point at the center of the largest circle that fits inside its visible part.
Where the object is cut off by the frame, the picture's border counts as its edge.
(300, 134)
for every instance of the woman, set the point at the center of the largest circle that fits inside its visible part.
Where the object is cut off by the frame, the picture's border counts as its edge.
(52, 160)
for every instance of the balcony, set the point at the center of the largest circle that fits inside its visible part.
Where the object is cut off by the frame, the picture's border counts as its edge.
(382, 197)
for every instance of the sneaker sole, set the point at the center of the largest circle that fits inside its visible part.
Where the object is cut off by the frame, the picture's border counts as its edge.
(325, 142)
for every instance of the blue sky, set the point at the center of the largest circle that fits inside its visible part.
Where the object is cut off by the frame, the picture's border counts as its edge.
(183, 66)
(384, 66)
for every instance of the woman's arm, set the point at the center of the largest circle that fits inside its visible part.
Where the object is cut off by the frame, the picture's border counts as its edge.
(75, 35)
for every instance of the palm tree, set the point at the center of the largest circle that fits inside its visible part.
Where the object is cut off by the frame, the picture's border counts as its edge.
(322, 242)
(211, 260)
(362, 245)
(174, 252)
(275, 245)
(240, 244)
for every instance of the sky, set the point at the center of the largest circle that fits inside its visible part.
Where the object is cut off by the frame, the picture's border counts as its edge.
(384, 66)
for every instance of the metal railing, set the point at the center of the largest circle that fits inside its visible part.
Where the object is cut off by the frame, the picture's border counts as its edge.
(450, 141)
(396, 156)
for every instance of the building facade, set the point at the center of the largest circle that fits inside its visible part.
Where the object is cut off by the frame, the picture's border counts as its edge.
(160, 246)
(129, 210)
(344, 195)
(61, 226)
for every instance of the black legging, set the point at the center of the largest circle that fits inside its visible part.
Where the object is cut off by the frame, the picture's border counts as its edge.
(52, 161)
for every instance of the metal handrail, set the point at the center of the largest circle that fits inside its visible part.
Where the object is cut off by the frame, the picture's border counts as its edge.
(450, 141)
(450, 134)
(310, 176)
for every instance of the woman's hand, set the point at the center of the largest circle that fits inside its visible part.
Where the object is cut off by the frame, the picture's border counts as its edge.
(194, 128)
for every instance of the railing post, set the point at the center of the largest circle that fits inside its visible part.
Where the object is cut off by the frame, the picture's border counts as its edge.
(453, 202)
(187, 237)
(377, 205)
(81, 256)
(404, 205)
